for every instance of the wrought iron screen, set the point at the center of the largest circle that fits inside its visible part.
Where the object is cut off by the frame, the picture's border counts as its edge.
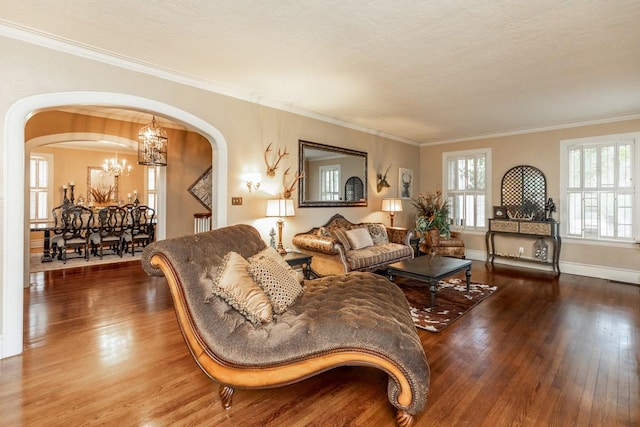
(524, 193)
(353, 189)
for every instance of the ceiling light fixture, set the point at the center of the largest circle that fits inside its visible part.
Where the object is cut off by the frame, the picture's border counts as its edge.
(113, 167)
(152, 145)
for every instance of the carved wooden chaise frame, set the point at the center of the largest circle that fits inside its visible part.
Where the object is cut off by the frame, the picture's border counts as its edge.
(408, 370)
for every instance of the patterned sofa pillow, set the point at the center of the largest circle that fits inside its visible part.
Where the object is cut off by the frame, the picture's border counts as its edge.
(233, 283)
(273, 254)
(378, 233)
(277, 283)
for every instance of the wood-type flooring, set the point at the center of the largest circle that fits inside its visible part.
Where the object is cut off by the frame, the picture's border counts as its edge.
(102, 347)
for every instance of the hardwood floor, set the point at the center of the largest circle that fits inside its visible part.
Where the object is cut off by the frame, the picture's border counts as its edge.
(102, 347)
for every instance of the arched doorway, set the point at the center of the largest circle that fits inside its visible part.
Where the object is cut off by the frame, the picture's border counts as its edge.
(15, 238)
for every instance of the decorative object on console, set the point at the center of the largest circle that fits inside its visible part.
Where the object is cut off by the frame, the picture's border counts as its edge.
(499, 212)
(152, 145)
(405, 183)
(271, 168)
(280, 208)
(288, 189)
(382, 180)
(392, 206)
(549, 208)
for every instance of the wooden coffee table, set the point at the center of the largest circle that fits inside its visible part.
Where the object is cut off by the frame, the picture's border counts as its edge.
(430, 269)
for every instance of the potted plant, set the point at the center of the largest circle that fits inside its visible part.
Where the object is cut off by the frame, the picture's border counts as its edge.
(432, 216)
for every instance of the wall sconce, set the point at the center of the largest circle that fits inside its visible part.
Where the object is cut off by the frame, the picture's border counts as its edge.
(253, 181)
(392, 206)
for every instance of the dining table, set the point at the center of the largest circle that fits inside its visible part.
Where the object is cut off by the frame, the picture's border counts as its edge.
(45, 227)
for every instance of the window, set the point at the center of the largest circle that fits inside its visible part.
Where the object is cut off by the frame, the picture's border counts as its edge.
(467, 187)
(152, 187)
(40, 194)
(600, 198)
(330, 182)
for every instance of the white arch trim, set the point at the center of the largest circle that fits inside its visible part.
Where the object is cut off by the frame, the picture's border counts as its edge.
(15, 271)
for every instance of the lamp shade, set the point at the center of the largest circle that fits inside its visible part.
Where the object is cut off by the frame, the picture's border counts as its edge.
(280, 207)
(391, 205)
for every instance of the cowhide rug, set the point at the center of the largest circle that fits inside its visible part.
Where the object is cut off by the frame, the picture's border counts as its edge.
(452, 301)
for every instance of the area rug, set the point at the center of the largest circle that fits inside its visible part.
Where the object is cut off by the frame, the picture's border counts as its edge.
(35, 265)
(452, 301)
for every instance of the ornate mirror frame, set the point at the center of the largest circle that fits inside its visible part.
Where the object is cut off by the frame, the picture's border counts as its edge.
(352, 163)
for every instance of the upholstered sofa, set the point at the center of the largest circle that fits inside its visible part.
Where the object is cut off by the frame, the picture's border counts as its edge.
(334, 252)
(355, 319)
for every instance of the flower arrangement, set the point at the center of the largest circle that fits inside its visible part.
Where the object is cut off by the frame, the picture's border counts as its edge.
(432, 213)
(102, 195)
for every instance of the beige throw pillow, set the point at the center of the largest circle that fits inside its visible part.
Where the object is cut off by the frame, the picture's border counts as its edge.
(233, 283)
(277, 283)
(359, 238)
(273, 254)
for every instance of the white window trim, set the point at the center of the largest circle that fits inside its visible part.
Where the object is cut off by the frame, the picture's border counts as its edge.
(324, 168)
(488, 180)
(564, 223)
(51, 191)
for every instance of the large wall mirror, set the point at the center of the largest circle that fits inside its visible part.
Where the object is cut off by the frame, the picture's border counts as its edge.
(332, 176)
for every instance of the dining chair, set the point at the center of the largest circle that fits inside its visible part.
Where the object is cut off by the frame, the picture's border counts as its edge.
(140, 228)
(77, 226)
(58, 228)
(109, 231)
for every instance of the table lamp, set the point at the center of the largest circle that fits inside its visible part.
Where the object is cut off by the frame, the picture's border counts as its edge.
(280, 208)
(392, 206)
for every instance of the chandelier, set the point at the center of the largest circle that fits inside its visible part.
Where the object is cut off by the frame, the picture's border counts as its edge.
(115, 168)
(152, 145)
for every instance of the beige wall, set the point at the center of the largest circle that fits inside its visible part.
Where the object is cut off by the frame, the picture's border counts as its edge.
(542, 150)
(29, 70)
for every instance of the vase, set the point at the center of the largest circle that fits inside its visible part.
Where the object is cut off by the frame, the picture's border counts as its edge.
(434, 239)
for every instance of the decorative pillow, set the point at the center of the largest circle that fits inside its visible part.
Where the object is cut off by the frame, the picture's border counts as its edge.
(378, 233)
(359, 238)
(277, 283)
(323, 232)
(341, 235)
(271, 252)
(233, 283)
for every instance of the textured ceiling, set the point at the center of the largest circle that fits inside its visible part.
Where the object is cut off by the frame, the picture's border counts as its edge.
(424, 71)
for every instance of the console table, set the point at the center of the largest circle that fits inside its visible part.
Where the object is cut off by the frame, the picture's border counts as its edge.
(525, 229)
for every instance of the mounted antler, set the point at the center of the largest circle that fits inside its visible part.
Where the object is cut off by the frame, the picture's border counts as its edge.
(271, 170)
(382, 180)
(288, 189)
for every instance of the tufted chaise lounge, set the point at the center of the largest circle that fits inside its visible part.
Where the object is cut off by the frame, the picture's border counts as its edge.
(355, 319)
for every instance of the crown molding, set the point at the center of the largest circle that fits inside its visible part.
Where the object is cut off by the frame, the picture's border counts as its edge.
(29, 35)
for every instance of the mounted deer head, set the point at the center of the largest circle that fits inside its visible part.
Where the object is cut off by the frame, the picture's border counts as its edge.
(382, 180)
(288, 189)
(271, 170)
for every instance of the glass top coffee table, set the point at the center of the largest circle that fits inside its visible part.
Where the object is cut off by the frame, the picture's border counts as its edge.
(430, 269)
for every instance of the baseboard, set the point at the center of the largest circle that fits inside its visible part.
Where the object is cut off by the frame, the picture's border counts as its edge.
(600, 272)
